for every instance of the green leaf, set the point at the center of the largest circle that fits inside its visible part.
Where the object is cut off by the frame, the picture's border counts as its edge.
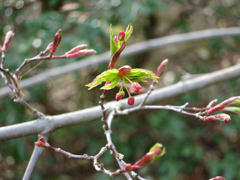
(141, 75)
(158, 145)
(235, 103)
(112, 85)
(113, 45)
(128, 32)
(233, 109)
(109, 75)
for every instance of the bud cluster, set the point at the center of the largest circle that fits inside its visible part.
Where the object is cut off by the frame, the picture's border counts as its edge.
(134, 86)
(227, 105)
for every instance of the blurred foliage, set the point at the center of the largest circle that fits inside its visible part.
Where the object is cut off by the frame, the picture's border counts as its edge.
(195, 150)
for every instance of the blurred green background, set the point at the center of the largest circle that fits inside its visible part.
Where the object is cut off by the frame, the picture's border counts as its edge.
(195, 150)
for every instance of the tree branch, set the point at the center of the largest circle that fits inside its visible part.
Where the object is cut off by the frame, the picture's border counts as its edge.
(76, 117)
(130, 50)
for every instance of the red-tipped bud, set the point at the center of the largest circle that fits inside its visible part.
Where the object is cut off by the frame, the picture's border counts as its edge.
(223, 104)
(76, 48)
(121, 35)
(136, 87)
(155, 153)
(119, 95)
(41, 138)
(218, 178)
(219, 117)
(124, 69)
(131, 101)
(84, 52)
(41, 144)
(56, 41)
(148, 158)
(212, 103)
(115, 39)
(7, 39)
(160, 69)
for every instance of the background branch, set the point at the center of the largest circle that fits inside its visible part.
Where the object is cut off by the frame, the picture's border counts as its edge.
(130, 50)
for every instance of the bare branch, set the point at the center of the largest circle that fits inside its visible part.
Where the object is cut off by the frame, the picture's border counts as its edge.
(37, 151)
(130, 50)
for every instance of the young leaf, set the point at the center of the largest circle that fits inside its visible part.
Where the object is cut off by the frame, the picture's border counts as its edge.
(232, 109)
(113, 45)
(235, 103)
(128, 32)
(109, 75)
(141, 75)
(111, 85)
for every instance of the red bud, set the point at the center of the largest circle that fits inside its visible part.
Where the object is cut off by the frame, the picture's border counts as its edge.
(41, 138)
(131, 101)
(145, 160)
(121, 35)
(7, 39)
(56, 41)
(124, 69)
(119, 95)
(40, 144)
(115, 39)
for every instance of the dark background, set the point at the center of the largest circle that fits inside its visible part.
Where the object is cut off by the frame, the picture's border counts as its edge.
(195, 150)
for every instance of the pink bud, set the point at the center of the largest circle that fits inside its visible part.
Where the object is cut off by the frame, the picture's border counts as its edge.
(124, 69)
(76, 48)
(119, 95)
(121, 35)
(56, 41)
(131, 101)
(220, 117)
(218, 178)
(115, 39)
(7, 39)
(81, 53)
(136, 87)
(212, 103)
(160, 69)
(49, 46)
